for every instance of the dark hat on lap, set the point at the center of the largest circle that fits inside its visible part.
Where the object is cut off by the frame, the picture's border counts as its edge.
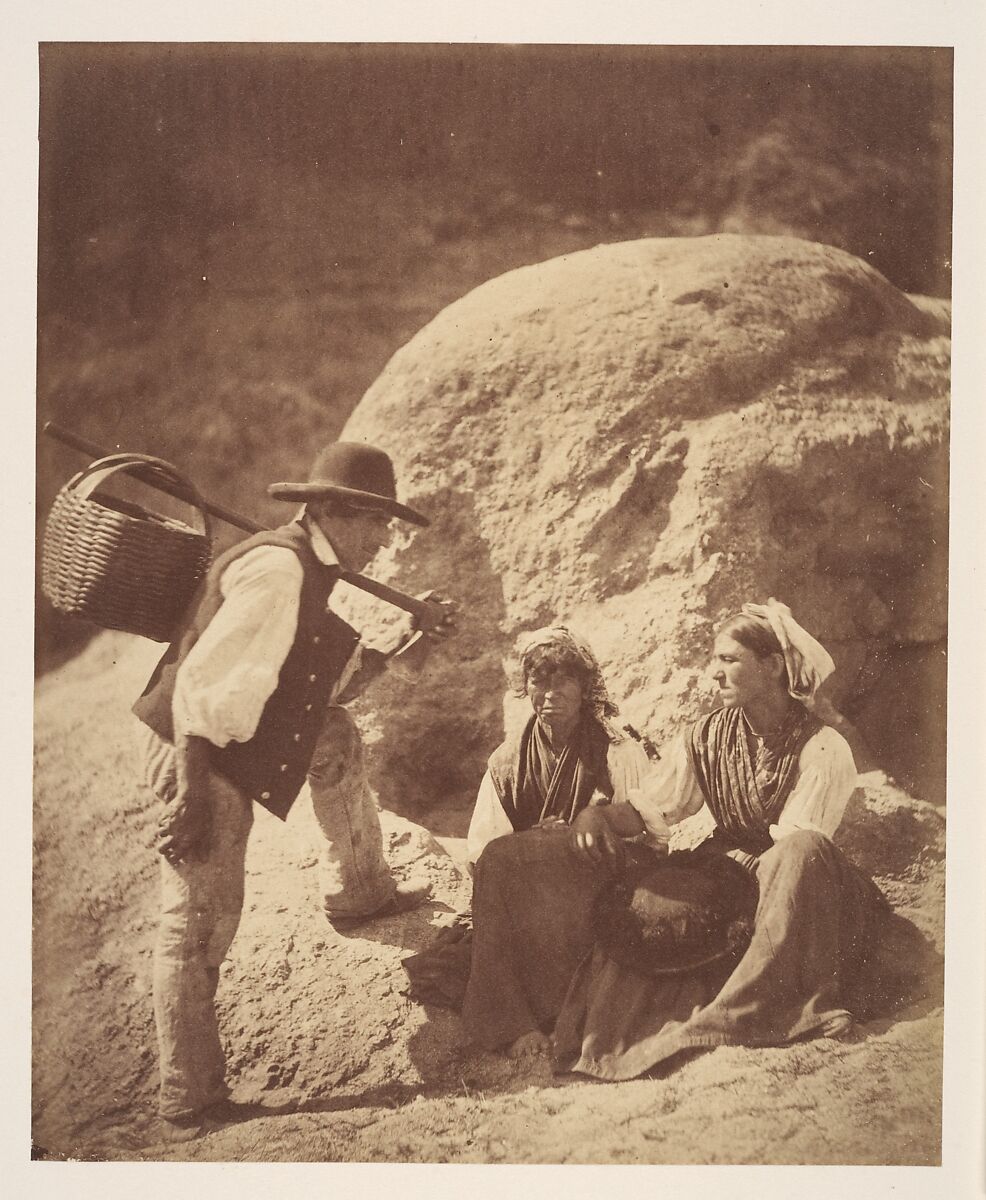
(666, 916)
(359, 475)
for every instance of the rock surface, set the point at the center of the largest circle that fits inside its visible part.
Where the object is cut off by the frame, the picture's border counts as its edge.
(638, 438)
(620, 441)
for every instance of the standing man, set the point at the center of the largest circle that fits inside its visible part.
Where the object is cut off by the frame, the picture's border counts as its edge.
(244, 708)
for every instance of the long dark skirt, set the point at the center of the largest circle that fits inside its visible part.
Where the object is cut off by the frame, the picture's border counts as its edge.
(826, 948)
(531, 907)
(508, 969)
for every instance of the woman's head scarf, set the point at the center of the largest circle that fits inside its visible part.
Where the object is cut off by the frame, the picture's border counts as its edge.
(808, 663)
(597, 697)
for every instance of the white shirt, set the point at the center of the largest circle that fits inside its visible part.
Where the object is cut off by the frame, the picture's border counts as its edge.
(671, 796)
(232, 670)
(627, 764)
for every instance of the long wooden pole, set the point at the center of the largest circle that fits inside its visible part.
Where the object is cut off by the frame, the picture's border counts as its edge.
(84, 446)
(429, 614)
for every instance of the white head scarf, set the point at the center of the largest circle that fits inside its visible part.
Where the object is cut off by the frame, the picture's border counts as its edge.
(808, 663)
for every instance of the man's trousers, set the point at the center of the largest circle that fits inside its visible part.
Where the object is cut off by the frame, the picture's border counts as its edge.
(201, 899)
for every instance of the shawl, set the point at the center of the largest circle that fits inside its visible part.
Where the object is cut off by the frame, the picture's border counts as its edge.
(745, 793)
(532, 784)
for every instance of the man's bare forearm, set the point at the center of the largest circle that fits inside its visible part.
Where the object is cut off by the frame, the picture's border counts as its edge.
(184, 824)
(193, 765)
(408, 651)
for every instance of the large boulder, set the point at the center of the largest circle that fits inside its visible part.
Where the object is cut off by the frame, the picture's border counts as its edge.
(620, 441)
(636, 439)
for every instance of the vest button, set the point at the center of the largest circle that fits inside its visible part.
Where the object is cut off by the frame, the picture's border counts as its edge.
(316, 639)
(308, 708)
(297, 737)
(284, 767)
(312, 678)
(265, 795)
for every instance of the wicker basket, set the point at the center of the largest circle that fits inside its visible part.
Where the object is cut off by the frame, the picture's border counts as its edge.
(116, 564)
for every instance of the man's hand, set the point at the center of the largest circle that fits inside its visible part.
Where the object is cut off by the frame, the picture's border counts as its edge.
(185, 822)
(437, 619)
(183, 828)
(435, 624)
(593, 838)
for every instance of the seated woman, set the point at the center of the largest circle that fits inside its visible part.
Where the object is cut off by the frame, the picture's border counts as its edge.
(533, 890)
(763, 781)
(569, 755)
(568, 758)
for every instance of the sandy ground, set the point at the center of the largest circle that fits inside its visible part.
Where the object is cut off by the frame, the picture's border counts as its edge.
(344, 1067)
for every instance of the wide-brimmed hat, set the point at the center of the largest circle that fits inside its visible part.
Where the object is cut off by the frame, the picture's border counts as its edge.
(685, 912)
(359, 475)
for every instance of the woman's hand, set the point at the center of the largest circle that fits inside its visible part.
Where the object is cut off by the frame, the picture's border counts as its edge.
(593, 838)
(552, 823)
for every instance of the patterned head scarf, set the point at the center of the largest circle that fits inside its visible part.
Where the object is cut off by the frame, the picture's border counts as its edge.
(808, 663)
(597, 698)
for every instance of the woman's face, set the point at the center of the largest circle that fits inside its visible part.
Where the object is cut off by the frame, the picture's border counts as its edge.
(556, 697)
(741, 677)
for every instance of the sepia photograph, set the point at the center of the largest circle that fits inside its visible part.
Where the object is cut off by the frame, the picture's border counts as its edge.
(491, 646)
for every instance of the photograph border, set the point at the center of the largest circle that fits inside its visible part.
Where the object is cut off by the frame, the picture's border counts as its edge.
(906, 22)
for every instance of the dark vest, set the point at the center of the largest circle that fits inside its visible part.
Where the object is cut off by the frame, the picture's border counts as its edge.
(271, 767)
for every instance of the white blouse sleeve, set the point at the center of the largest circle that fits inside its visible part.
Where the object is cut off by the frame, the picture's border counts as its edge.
(826, 780)
(669, 793)
(489, 821)
(232, 670)
(628, 767)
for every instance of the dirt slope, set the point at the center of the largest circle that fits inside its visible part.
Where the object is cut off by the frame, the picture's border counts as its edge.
(318, 1030)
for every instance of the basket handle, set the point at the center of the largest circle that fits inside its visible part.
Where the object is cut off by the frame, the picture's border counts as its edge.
(143, 467)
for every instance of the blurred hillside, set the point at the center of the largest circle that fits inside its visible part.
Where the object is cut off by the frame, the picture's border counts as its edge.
(234, 240)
